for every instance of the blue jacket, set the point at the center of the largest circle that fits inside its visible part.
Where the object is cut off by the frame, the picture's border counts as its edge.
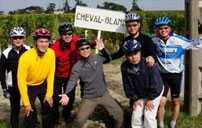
(141, 81)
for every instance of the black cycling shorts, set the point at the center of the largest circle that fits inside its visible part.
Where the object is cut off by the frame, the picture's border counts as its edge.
(172, 81)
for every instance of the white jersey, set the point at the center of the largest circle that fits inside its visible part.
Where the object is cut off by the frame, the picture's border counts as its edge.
(170, 54)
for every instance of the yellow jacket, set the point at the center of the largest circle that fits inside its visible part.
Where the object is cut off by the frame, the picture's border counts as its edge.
(34, 70)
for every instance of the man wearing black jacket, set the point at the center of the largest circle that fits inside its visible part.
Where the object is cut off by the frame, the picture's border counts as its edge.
(142, 84)
(133, 24)
(8, 72)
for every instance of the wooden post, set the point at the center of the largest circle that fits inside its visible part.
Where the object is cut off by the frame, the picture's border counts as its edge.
(195, 88)
(193, 65)
(192, 16)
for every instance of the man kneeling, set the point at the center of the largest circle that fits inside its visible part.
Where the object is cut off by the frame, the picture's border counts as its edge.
(94, 92)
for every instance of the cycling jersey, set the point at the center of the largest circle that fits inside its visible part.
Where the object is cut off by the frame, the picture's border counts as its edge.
(170, 54)
(34, 70)
(8, 77)
(9, 64)
(66, 57)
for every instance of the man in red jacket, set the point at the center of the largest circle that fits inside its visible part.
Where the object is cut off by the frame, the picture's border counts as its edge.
(66, 57)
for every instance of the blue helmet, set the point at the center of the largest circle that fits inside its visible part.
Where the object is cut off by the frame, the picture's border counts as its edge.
(162, 21)
(131, 45)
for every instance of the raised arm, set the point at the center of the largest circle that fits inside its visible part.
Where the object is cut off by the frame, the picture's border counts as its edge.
(103, 52)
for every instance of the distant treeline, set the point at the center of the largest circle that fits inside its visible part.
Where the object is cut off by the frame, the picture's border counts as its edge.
(51, 21)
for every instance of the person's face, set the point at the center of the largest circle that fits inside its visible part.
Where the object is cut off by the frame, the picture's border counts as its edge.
(134, 58)
(18, 41)
(133, 27)
(42, 44)
(67, 36)
(85, 51)
(164, 31)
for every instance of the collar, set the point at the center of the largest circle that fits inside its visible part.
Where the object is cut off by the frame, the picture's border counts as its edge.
(18, 50)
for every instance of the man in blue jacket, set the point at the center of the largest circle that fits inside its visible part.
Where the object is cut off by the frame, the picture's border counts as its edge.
(142, 84)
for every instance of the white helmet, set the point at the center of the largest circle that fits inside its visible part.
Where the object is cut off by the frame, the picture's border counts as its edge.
(132, 16)
(17, 31)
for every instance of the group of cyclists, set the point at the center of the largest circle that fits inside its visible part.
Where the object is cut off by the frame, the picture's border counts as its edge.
(51, 70)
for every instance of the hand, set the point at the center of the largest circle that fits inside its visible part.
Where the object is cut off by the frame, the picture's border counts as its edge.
(27, 110)
(6, 94)
(137, 103)
(99, 44)
(189, 47)
(149, 105)
(150, 61)
(49, 100)
(64, 99)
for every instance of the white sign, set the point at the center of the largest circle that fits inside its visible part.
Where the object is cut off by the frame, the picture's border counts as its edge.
(100, 19)
(200, 4)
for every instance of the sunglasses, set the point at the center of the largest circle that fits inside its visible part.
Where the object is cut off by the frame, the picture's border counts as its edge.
(85, 48)
(68, 33)
(132, 25)
(17, 37)
(161, 28)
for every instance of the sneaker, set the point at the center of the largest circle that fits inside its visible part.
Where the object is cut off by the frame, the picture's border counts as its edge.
(161, 125)
(172, 124)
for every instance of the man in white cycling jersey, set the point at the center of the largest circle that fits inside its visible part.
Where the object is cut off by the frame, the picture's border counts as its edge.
(170, 49)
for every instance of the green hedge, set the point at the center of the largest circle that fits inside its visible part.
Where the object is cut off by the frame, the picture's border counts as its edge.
(51, 21)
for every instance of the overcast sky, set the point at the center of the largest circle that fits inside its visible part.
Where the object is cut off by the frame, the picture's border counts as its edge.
(8, 5)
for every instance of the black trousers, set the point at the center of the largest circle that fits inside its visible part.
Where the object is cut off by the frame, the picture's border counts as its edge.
(46, 111)
(59, 88)
(15, 106)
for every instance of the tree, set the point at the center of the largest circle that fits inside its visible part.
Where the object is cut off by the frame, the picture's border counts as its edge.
(66, 6)
(80, 3)
(135, 7)
(51, 8)
(1, 12)
(113, 6)
(28, 10)
(34, 9)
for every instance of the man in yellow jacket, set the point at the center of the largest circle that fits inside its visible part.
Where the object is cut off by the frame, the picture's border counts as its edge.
(36, 77)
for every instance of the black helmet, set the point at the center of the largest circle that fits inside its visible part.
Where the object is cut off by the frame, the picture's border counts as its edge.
(82, 42)
(131, 45)
(65, 27)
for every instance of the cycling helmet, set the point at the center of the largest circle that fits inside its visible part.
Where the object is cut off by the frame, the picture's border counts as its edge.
(82, 42)
(41, 32)
(65, 27)
(132, 16)
(131, 45)
(162, 21)
(17, 31)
